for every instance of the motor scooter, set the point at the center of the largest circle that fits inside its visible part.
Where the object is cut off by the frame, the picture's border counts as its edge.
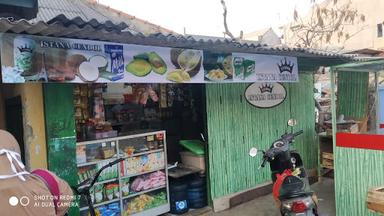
(291, 189)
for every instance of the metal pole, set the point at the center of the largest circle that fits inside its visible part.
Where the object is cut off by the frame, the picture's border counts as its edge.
(334, 127)
(377, 98)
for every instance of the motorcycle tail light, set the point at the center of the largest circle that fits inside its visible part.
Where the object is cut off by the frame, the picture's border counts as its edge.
(298, 207)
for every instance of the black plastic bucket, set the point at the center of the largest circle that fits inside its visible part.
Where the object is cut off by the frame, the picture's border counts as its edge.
(197, 193)
(178, 197)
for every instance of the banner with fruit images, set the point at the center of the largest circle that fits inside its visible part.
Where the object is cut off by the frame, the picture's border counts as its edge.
(26, 58)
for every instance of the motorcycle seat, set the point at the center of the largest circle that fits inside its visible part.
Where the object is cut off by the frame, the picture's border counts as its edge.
(293, 187)
(295, 195)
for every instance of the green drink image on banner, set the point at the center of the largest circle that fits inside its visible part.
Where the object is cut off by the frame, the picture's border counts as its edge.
(243, 67)
(23, 50)
(249, 66)
(239, 67)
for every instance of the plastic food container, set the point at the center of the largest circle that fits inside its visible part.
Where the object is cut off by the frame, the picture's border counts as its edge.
(195, 146)
(189, 159)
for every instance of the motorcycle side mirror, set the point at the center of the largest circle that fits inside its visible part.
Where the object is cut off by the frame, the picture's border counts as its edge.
(253, 152)
(292, 122)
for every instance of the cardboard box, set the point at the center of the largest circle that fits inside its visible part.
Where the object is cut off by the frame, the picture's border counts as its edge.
(375, 199)
(102, 135)
(189, 159)
(81, 156)
(327, 155)
(327, 163)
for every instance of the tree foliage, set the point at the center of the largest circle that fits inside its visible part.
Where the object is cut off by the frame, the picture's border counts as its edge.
(326, 23)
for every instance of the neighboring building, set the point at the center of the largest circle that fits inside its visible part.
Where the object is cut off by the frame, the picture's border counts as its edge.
(264, 36)
(366, 53)
(261, 37)
(221, 39)
(90, 9)
(365, 35)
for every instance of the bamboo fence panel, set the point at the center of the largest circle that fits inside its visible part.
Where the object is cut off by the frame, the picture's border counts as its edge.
(356, 170)
(352, 94)
(234, 126)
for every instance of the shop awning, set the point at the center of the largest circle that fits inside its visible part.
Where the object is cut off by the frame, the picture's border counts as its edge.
(77, 28)
(367, 66)
(273, 63)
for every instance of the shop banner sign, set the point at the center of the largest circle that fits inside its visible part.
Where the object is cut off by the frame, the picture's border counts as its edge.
(265, 68)
(26, 58)
(265, 95)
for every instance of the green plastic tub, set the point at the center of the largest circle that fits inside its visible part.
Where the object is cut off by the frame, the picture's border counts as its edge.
(194, 146)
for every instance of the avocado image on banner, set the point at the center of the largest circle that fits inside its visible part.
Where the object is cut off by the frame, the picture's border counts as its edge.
(139, 67)
(157, 63)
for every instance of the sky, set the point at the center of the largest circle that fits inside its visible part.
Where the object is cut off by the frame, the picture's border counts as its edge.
(205, 17)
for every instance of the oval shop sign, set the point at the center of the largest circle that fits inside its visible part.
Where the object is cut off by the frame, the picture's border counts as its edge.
(265, 95)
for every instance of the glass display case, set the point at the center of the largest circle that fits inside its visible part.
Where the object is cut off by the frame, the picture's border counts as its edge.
(136, 186)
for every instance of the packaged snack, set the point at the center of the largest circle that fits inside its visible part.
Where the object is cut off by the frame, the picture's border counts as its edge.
(125, 186)
(115, 61)
(99, 193)
(109, 191)
(116, 191)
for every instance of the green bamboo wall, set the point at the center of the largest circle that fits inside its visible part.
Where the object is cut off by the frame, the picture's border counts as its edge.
(356, 170)
(234, 127)
(352, 94)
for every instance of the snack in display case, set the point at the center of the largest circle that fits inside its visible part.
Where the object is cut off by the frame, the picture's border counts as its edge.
(125, 186)
(112, 209)
(99, 193)
(108, 151)
(132, 146)
(93, 153)
(109, 173)
(149, 181)
(143, 163)
(111, 191)
(89, 171)
(86, 172)
(144, 202)
(134, 185)
(81, 156)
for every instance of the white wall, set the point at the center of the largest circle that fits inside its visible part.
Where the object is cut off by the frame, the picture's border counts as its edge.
(270, 38)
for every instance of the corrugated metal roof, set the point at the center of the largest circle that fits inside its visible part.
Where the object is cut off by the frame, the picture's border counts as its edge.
(48, 9)
(78, 21)
(77, 28)
(88, 10)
